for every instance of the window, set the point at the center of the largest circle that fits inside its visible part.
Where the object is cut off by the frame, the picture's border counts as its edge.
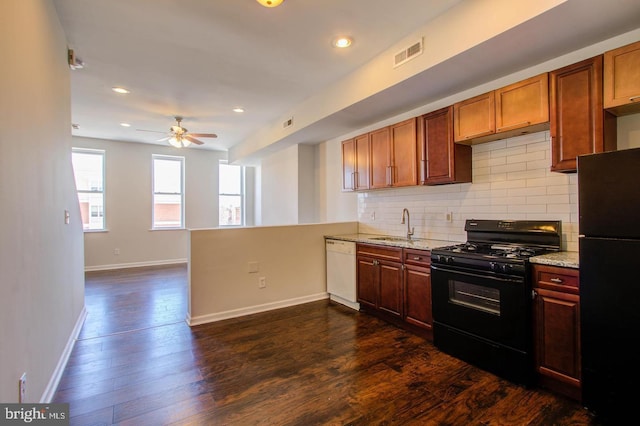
(231, 195)
(88, 168)
(168, 192)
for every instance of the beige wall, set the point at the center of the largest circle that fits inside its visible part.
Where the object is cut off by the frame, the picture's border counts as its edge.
(41, 258)
(291, 258)
(129, 199)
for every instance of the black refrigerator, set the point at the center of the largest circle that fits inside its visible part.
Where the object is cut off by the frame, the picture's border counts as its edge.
(609, 229)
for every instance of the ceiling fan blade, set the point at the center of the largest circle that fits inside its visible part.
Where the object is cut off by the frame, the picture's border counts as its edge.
(153, 131)
(193, 140)
(204, 135)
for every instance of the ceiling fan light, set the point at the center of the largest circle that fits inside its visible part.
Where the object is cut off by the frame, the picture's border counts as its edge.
(175, 142)
(270, 3)
(186, 142)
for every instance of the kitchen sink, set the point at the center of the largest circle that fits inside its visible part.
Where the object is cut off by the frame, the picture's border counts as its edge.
(396, 239)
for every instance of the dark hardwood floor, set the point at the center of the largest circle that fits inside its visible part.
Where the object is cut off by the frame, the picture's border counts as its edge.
(137, 363)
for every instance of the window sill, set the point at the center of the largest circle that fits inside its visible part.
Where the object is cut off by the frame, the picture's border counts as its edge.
(94, 231)
(168, 229)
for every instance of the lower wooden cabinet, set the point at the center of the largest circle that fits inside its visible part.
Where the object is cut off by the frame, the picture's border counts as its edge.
(417, 290)
(557, 329)
(395, 284)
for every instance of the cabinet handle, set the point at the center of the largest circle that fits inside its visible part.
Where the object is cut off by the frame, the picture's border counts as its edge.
(417, 258)
(633, 98)
(513, 126)
(389, 175)
(533, 294)
(557, 280)
(353, 181)
(356, 178)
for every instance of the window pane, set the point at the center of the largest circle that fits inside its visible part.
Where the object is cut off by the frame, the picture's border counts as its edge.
(167, 211)
(87, 169)
(91, 210)
(167, 176)
(168, 192)
(230, 179)
(230, 210)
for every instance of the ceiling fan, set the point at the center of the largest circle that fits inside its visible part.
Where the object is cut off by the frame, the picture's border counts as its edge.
(179, 137)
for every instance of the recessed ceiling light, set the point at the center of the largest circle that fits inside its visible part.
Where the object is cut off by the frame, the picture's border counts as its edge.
(125, 124)
(238, 109)
(342, 42)
(120, 90)
(270, 3)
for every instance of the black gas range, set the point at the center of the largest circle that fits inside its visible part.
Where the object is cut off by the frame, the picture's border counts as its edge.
(501, 246)
(481, 294)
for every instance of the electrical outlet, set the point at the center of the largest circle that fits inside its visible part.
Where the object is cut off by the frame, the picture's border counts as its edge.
(262, 282)
(116, 251)
(22, 388)
(449, 217)
(373, 216)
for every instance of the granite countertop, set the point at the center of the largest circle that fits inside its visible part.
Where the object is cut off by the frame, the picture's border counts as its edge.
(564, 259)
(393, 241)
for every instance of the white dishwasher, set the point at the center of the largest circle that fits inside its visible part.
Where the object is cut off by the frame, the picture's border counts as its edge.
(341, 272)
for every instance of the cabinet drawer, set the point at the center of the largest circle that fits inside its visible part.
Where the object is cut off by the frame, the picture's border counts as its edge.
(380, 252)
(555, 278)
(417, 257)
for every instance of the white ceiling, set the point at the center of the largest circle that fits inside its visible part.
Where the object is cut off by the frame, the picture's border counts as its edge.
(201, 58)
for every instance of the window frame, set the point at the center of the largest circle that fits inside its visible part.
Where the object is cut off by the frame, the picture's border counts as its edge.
(103, 154)
(242, 195)
(181, 161)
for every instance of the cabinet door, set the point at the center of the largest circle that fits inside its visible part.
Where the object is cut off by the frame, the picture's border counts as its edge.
(362, 162)
(474, 117)
(348, 165)
(557, 336)
(622, 79)
(577, 119)
(367, 281)
(417, 286)
(390, 300)
(404, 161)
(522, 104)
(442, 160)
(380, 161)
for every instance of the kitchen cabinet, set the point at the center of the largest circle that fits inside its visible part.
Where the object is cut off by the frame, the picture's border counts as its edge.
(622, 79)
(355, 163)
(417, 289)
(516, 109)
(394, 155)
(474, 117)
(379, 279)
(523, 104)
(442, 161)
(557, 329)
(579, 125)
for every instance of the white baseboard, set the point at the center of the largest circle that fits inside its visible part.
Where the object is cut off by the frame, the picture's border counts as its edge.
(345, 302)
(50, 390)
(134, 265)
(204, 319)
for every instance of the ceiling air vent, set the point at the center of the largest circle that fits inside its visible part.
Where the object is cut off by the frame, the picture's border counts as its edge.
(288, 123)
(407, 54)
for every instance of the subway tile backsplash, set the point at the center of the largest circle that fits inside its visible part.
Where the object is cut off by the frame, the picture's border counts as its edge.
(511, 180)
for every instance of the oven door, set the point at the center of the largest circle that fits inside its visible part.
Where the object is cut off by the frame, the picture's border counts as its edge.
(484, 304)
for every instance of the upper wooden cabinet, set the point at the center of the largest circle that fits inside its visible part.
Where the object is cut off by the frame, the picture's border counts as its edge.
(518, 108)
(622, 79)
(579, 125)
(442, 160)
(355, 163)
(394, 155)
(380, 160)
(522, 104)
(474, 117)
(404, 158)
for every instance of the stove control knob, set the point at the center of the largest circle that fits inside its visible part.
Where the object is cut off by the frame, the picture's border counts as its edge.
(506, 268)
(495, 267)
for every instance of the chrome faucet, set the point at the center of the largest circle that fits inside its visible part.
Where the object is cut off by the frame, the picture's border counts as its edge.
(410, 230)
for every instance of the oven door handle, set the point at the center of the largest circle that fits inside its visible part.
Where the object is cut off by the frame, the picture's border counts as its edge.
(470, 274)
